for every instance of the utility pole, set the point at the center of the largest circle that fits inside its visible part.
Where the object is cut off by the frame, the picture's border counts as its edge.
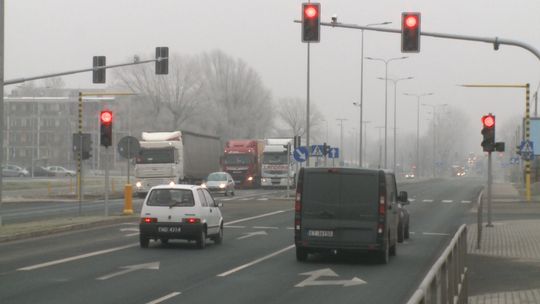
(342, 156)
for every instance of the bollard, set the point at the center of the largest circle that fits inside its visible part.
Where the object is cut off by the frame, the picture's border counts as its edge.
(128, 200)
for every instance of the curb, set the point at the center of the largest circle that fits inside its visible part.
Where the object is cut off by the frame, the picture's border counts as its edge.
(66, 228)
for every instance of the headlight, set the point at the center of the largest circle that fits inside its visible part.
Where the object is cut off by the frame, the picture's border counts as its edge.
(203, 185)
(138, 184)
(222, 186)
(250, 178)
(171, 183)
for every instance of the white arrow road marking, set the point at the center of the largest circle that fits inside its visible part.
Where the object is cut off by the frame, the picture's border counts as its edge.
(78, 257)
(327, 272)
(164, 298)
(131, 268)
(250, 234)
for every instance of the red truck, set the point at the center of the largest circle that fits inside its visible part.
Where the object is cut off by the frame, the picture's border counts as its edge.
(242, 159)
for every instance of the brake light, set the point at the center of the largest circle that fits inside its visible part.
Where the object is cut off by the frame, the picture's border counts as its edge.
(298, 202)
(192, 220)
(148, 220)
(297, 224)
(382, 205)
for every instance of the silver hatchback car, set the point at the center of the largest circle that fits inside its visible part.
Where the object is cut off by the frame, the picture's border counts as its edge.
(219, 182)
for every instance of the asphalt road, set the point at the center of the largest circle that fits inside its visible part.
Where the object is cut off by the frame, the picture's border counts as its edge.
(255, 263)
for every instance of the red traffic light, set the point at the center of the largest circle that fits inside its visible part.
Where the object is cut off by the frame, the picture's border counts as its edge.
(311, 11)
(106, 117)
(411, 21)
(488, 121)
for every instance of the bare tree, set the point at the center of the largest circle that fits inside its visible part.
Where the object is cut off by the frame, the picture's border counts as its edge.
(174, 97)
(292, 112)
(239, 104)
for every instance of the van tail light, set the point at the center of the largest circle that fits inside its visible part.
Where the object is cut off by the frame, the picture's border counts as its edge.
(380, 229)
(298, 202)
(382, 204)
(297, 225)
(192, 220)
(148, 220)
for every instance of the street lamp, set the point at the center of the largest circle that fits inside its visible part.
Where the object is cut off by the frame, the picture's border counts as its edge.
(434, 112)
(365, 137)
(342, 155)
(395, 81)
(418, 127)
(386, 61)
(362, 86)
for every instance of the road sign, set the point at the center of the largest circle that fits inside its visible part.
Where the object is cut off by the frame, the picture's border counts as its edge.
(527, 150)
(300, 154)
(317, 150)
(128, 146)
(333, 153)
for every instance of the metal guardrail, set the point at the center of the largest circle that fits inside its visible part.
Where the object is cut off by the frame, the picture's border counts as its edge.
(446, 282)
(479, 219)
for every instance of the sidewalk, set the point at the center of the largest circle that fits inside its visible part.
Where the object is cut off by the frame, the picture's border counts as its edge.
(506, 269)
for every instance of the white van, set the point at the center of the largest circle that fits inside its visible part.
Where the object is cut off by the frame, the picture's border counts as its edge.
(185, 212)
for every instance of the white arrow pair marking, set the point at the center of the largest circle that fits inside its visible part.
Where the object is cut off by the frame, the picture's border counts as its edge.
(327, 272)
(131, 268)
(251, 234)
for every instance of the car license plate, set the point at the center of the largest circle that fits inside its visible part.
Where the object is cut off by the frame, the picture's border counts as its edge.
(169, 229)
(321, 233)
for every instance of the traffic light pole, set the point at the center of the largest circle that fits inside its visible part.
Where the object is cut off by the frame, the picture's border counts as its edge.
(489, 184)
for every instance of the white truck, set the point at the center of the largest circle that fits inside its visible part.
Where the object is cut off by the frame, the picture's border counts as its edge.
(277, 168)
(175, 157)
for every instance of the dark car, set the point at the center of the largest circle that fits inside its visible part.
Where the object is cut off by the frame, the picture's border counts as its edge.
(347, 209)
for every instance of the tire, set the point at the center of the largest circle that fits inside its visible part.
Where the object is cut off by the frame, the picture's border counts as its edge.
(232, 193)
(384, 255)
(393, 249)
(219, 238)
(164, 241)
(225, 193)
(201, 241)
(144, 241)
(301, 254)
(400, 233)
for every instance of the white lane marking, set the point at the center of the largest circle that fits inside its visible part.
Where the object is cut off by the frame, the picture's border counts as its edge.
(447, 201)
(262, 199)
(255, 261)
(434, 233)
(251, 234)
(132, 234)
(412, 200)
(236, 227)
(131, 268)
(262, 227)
(244, 199)
(465, 202)
(129, 229)
(290, 228)
(427, 201)
(77, 257)
(164, 298)
(225, 199)
(314, 275)
(257, 216)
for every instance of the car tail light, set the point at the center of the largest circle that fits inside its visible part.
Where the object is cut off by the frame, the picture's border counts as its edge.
(148, 220)
(192, 220)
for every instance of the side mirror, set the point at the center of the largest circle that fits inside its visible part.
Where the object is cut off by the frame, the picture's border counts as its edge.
(403, 197)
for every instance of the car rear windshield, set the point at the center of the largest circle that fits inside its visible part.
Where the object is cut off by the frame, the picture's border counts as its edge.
(346, 188)
(171, 197)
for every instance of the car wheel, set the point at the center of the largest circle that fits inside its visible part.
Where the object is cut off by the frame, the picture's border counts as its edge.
(201, 241)
(219, 238)
(225, 192)
(301, 254)
(21, 175)
(393, 249)
(143, 240)
(232, 193)
(384, 254)
(400, 233)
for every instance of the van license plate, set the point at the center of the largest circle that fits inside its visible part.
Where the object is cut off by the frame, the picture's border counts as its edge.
(169, 229)
(321, 233)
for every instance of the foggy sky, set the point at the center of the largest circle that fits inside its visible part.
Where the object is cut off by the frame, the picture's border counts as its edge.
(58, 35)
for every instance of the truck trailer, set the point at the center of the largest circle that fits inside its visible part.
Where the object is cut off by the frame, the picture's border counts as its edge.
(242, 159)
(175, 157)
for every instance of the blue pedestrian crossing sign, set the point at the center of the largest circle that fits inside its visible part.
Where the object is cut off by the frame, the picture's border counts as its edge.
(333, 153)
(527, 150)
(300, 154)
(316, 150)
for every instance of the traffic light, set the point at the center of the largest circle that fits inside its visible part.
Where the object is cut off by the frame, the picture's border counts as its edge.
(105, 120)
(162, 60)
(410, 32)
(311, 27)
(98, 75)
(488, 132)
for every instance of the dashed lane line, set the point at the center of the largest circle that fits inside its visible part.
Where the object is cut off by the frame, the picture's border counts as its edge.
(427, 201)
(224, 274)
(164, 298)
(447, 201)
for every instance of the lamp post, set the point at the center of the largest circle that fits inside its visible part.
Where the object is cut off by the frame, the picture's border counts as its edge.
(395, 81)
(434, 112)
(380, 145)
(418, 127)
(342, 155)
(386, 62)
(362, 86)
(365, 137)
